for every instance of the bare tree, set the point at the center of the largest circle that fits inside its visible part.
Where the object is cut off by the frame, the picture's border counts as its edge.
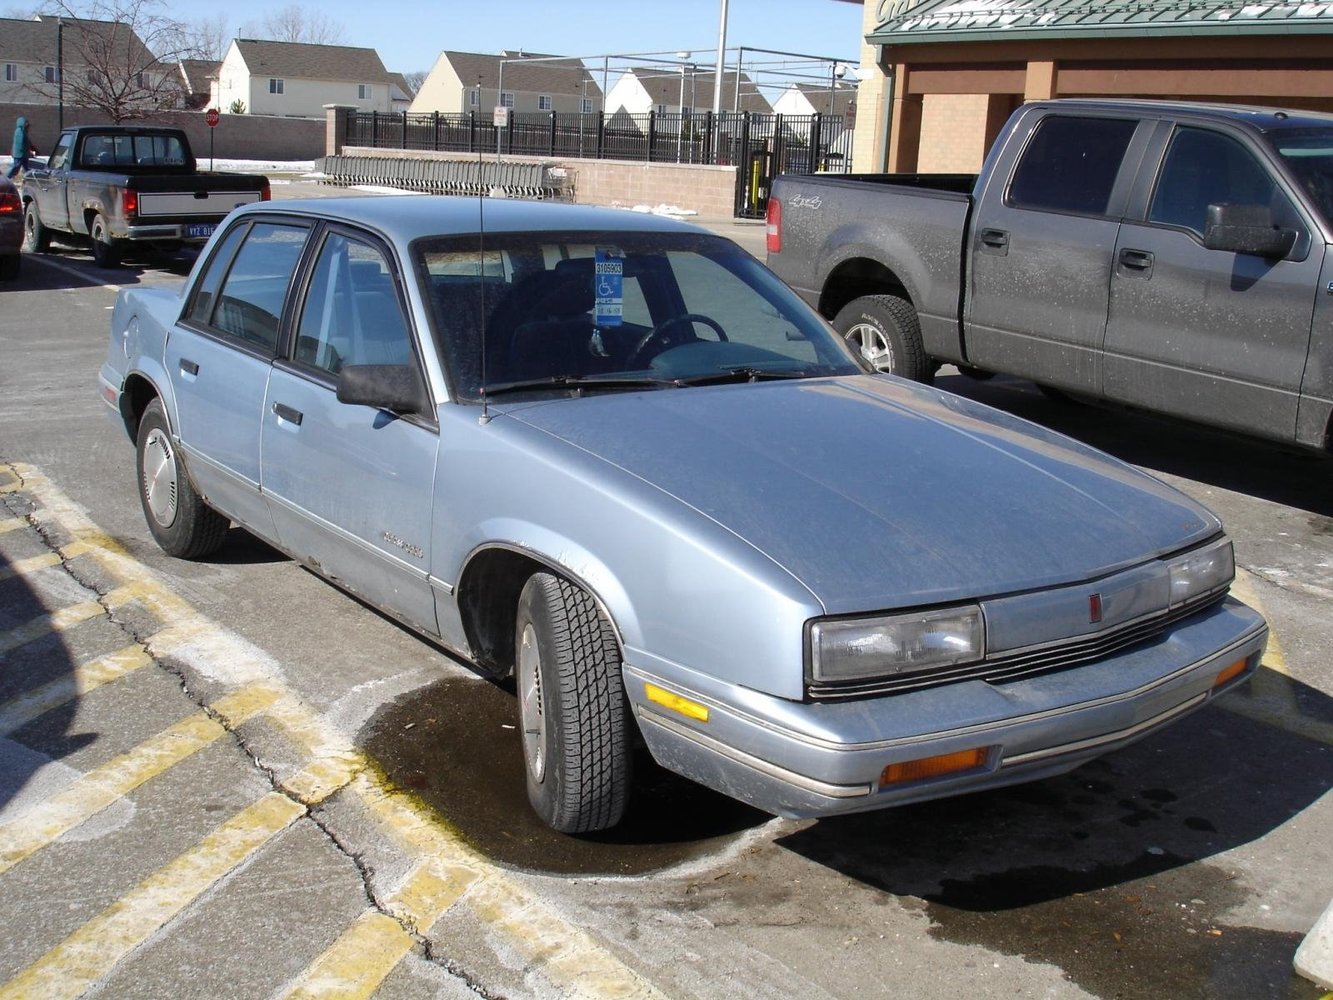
(201, 38)
(295, 23)
(415, 79)
(119, 58)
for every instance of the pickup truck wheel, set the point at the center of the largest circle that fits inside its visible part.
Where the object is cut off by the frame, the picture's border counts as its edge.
(885, 329)
(36, 238)
(572, 709)
(182, 524)
(105, 251)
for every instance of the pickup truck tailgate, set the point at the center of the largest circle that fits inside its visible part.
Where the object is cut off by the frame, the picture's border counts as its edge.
(177, 203)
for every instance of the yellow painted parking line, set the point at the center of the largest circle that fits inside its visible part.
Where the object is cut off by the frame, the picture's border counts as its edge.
(1243, 589)
(44, 625)
(70, 968)
(23, 567)
(9, 524)
(47, 821)
(86, 677)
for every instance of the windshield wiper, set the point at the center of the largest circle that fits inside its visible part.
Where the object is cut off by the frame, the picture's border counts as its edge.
(579, 383)
(744, 374)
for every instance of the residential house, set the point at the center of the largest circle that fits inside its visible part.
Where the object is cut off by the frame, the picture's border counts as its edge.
(33, 51)
(473, 81)
(400, 93)
(666, 90)
(196, 80)
(802, 99)
(296, 79)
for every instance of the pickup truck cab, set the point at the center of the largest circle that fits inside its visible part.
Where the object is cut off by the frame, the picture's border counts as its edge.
(1175, 257)
(118, 185)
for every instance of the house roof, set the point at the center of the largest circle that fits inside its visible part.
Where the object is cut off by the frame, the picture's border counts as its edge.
(818, 97)
(305, 61)
(997, 20)
(527, 73)
(662, 85)
(198, 72)
(35, 40)
(402, 89)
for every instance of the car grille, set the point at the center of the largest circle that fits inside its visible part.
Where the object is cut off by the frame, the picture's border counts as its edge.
(1012, 665)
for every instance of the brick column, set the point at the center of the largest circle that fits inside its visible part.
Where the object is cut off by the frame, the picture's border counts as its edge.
(335, 127)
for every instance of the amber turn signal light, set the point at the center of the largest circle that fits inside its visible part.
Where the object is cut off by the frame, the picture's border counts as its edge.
(933, 767)
(1235, 670)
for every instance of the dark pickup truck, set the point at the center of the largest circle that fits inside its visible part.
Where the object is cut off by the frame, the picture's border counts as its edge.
(1170, 256)
(118, 185)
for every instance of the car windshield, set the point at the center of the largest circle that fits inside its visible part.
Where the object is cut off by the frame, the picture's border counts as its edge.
(562, 313)
(1309, 155)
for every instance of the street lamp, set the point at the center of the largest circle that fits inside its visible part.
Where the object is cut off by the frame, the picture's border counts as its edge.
(680, 106)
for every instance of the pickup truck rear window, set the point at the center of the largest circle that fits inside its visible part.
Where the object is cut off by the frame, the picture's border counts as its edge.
(1070, 164)
(122, 151)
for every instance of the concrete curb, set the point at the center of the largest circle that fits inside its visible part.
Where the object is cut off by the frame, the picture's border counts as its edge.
(1314, 958)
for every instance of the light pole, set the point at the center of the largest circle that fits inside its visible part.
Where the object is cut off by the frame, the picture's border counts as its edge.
(680, 106)
(60, 72)
(839, 70)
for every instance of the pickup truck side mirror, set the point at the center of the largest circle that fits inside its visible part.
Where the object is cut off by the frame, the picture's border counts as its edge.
(396, 388)
(1246, 229)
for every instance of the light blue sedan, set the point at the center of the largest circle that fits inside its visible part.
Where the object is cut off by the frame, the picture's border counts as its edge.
(614, 456)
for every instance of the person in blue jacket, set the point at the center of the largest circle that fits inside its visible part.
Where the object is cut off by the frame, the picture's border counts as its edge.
(23, 147)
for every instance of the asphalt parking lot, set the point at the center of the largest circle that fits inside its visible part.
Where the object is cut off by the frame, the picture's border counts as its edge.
(226, 778)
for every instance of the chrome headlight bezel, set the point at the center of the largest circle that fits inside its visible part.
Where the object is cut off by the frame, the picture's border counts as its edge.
(1200, 573)
(903, 644)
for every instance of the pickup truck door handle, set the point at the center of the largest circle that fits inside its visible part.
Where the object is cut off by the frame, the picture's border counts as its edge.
(188, 367)
(287, 413)
(995, 239)
(1137, 260)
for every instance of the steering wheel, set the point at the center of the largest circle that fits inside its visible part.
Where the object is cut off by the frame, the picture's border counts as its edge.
(659, 333)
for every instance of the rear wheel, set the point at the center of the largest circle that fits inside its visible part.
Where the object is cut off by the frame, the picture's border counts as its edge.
(572, 708)
(182, 524)
(106, 251)
(36, 237)
(885, 329)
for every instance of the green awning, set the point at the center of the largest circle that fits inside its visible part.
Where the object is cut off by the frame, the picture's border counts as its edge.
(905, 23)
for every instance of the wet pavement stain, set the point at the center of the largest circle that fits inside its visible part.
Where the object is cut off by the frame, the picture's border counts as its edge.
(455, 746)
(1115, 872)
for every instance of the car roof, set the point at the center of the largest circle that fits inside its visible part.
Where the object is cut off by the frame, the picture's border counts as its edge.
(408, 217)
(1265, 119)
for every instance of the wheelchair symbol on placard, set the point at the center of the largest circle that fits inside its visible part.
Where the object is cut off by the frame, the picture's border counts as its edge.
(605, 289)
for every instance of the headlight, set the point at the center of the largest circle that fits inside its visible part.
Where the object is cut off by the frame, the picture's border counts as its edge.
(894, 645)
(1202, 571)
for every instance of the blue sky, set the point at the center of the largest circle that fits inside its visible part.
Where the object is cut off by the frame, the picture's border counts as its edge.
(409, 35)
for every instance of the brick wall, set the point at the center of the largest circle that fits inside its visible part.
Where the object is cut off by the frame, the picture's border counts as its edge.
(953, 133)
(709, 191)
(242, 137)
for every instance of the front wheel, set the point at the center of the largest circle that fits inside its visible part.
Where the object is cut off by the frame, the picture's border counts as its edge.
(886, 332)
(36, 237)
(182, 524)
(106, 251)
(572, 708)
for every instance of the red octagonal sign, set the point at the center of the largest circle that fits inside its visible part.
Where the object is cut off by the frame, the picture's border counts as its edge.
(212, 117)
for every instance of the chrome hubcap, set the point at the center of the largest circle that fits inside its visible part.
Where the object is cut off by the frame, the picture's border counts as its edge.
(531, 714)
(159, 478)
(873, 345)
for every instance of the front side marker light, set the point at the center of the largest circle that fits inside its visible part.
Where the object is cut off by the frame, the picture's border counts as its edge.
(934, 767)
(1231, 672)
(676, 703)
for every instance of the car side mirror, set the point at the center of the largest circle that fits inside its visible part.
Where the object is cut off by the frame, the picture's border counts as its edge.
(396, 388)
(1246, 229)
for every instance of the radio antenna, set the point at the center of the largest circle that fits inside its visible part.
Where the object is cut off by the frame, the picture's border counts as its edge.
(481, 265)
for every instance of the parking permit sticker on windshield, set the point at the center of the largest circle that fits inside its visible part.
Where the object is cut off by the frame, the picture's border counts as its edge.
(610, 287)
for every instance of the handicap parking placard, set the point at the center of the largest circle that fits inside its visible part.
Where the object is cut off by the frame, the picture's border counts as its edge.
(610, 287)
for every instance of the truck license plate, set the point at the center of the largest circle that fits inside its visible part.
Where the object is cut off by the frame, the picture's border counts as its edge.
(199, 230)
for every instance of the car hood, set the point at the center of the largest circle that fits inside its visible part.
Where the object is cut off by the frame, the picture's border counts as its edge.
(878, 493)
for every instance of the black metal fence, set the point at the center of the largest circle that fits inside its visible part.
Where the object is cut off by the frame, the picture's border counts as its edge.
(761, 146)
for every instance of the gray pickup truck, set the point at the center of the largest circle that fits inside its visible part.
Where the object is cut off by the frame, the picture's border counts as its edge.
(115, 186)
(1170, 256)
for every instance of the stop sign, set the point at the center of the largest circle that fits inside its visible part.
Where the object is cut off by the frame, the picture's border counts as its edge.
(212, 117)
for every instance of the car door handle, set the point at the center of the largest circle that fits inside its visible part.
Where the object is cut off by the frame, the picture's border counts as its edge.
(287, 413)
(188, 367)
(1137, 260)
(995, 239)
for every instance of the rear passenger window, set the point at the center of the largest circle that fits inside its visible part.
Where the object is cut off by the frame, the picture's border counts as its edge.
(1070, 164)
(246, 302)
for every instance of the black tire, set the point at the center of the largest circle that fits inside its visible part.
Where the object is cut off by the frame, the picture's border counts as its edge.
(36, 237)
(886, 332)
(10, 266)
(106, 251)
(181, 523)
(975, 374)
(573, 715)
